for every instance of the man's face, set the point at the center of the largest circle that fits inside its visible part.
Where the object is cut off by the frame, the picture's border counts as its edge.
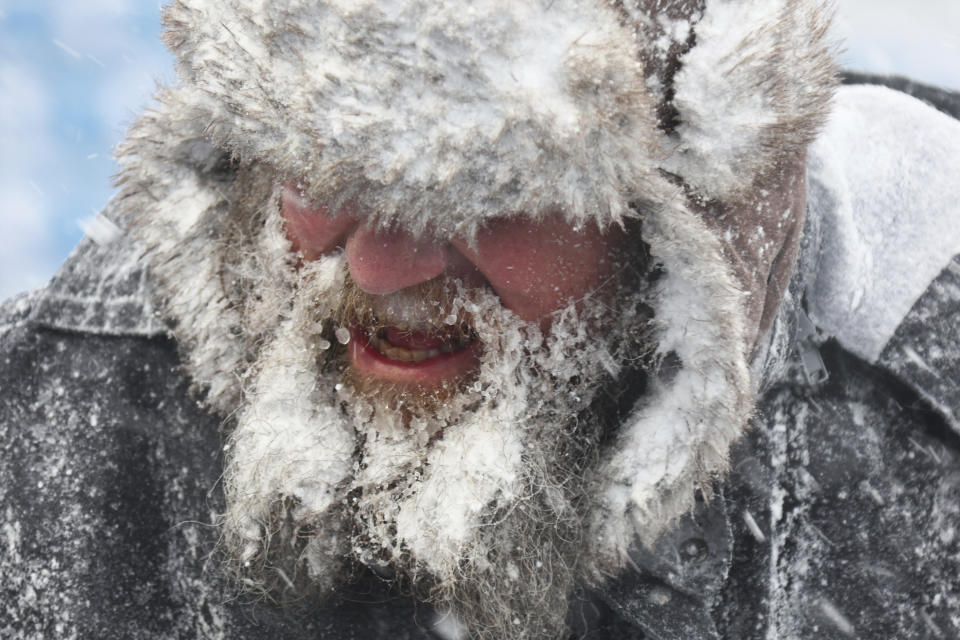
(431, 406)
(535, 268)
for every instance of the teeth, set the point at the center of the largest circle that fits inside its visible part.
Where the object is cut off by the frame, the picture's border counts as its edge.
(402, 354)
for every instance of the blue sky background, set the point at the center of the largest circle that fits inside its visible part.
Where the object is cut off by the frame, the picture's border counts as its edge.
(73, 74)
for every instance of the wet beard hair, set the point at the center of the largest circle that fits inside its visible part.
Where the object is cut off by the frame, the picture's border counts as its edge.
(477, 499)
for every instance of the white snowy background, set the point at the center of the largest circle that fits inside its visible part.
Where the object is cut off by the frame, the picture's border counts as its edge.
(73, 74)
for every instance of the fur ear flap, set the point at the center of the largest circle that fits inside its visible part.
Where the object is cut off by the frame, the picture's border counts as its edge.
(754, 88)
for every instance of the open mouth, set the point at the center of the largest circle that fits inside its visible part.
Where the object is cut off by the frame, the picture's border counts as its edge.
(424, 358)
(415, 346)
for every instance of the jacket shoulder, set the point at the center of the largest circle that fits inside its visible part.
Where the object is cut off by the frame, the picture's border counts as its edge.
(924, 351)
(15, 311)
(843, 503)
(103, 289)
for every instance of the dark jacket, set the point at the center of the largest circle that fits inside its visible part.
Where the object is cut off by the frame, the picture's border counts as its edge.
(841, 517)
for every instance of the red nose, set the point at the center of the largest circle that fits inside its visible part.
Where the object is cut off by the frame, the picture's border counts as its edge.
(386, 261)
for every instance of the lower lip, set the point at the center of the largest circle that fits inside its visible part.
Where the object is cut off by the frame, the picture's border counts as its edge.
(430, 373)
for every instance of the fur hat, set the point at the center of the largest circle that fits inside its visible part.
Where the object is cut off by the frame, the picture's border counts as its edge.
(444, 115)
(449, 113)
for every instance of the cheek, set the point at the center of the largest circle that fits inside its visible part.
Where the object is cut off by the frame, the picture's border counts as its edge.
(313, 231)
(537, 268)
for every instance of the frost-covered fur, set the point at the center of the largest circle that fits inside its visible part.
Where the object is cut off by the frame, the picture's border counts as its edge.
(418, 107)
(440, 116)
(408, 107)
(755, 90)
(677, 439)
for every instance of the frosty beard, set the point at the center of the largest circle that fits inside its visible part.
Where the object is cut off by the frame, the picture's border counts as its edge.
(476, 495)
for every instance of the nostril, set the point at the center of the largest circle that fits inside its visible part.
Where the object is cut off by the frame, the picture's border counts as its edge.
(382, 262)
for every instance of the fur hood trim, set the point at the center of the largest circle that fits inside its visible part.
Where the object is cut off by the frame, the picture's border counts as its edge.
(440, 116)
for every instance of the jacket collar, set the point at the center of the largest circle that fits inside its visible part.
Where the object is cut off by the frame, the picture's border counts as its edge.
(101, 289)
